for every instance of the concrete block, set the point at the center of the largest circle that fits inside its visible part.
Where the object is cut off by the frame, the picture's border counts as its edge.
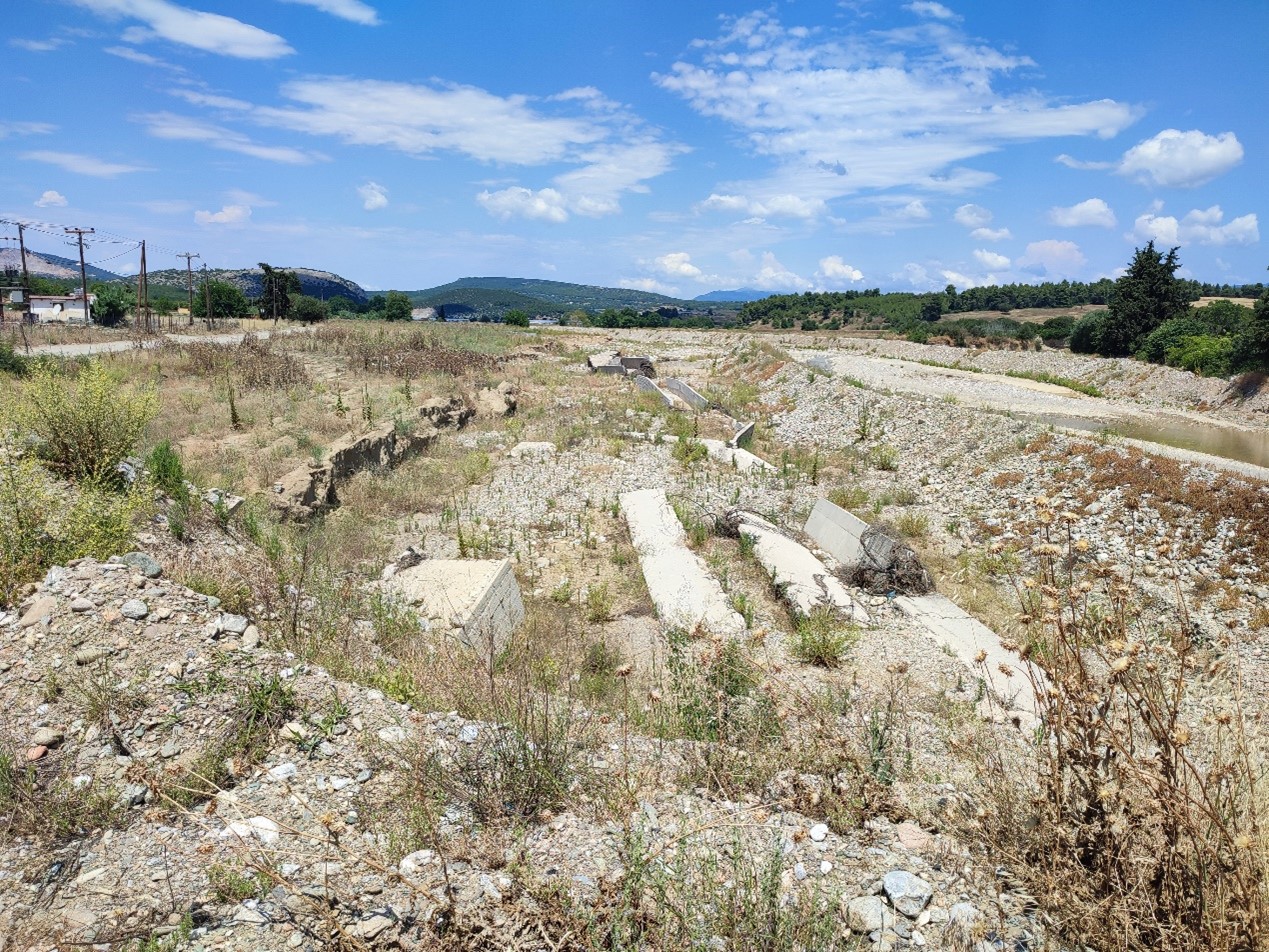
(743, 435)
(607, 362)
(720, 452)
(476, 601)
(802, 579)
(685, 393)
(638, 365)
(685, 594)
(836, 531)
(953, 628)
(646, 384)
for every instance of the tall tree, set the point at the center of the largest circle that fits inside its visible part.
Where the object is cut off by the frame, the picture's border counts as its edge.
(276, 289)
(1251, 344)
(397, 306)
(1147, 295)
(227, 300)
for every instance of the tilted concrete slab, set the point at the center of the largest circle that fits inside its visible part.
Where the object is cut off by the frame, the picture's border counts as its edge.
(476, 601)
(686, 596)
(836, 531)
(645, 384)
(743, 435)
(685, 393)
(802, 579)
(950, 626)
(607, 362)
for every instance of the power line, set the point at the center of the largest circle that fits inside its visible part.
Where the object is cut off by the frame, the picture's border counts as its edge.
(83, 271)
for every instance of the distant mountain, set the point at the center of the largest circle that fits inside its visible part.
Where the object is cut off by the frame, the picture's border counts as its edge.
(561, 294)
(318, 284)
(52, 266)
(474, 303)
(740, 294)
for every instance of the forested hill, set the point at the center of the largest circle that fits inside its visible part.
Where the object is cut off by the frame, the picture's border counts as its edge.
(585, 297)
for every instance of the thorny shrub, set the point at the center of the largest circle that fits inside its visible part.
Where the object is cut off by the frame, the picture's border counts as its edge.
(1139, 816)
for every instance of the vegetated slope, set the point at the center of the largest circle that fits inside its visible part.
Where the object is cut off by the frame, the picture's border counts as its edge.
(319, 284)
(482, 302)
(52, 266)
(568, 296)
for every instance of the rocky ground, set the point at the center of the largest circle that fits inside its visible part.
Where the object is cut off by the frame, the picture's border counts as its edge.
(185, 774)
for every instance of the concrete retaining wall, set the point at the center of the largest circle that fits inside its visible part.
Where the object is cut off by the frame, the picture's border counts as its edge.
(685, 393)
(802, 579)
(476, 601)
(643, 383)
(836, 531)
(686, 596)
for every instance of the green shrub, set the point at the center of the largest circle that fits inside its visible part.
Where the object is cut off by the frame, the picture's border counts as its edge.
(11, 362)
(86, 426)
(821, 639)
(1204, 355)
(884, 456)
(164, 467)
(1168, 335)
(1086, 336)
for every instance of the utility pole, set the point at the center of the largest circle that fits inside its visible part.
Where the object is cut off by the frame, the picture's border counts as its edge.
(26, 280)
(189, 275)
(83, 271)
(206, 298)
(143, 294)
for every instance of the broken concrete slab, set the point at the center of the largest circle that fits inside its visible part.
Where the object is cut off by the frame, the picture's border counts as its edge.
(645, 384)
(606, 362)
(686, 596)
(969, 639)
(476, 601)
(685, 393)
(803, 581)
(742, 436)
(836, 531)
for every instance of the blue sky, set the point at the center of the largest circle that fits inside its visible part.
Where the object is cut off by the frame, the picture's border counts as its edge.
(675, 147)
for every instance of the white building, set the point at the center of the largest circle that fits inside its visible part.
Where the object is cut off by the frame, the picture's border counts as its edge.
(61, 308)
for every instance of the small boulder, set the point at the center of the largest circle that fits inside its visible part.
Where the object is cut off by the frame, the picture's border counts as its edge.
(144, 564)
(134, 608)
(40, 609)
(906, 892)
(868, 914)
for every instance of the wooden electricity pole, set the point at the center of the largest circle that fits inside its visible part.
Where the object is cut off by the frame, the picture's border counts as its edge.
(83, 271)
(143, 294)
(206, 297)
(189, 277)
(26, 280)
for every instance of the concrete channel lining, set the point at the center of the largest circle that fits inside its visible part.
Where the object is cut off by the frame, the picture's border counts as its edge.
(803, 580)
(645, 384)
(686, 393)
(836, 531)
(684, 593)
(476, 601)
(967, 638)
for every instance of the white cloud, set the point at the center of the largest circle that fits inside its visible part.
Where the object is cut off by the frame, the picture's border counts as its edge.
(914, 274)
(39, 46)
(991, 234)
(209, 32)
(834, 270)
(25, 129)
(1199, 227)
(774, 206)
(1185, 159)
(773, 276)
(651, 285)
(972, 216)
(839, 114)
(82, 164)
(51, 199)
(373, 196)
(228, 215)
(962, 281)
(166, 125)
(1090, 212)
(145, 59)
(546, 204)
(1052, 259)
(914, 210)
(991, 260)
(678, 264)
(353, 10)
(930, 8)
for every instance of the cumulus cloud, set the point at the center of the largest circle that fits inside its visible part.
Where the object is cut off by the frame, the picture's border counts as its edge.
(1172, 158)
(991, 260)
(518, 202)
(51, 199)
(834, 270)
(1199, 227)
(972, 216)
(166, 125)
(1090, 212)
(773, 276)
(209, 32)
(373, 196)
(353, 10)
(82, 164)
(678, 264)
(1053, 259)
(991, 234)
(914, 210)
(1185, 159)
(908, 107)
(228, 215)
